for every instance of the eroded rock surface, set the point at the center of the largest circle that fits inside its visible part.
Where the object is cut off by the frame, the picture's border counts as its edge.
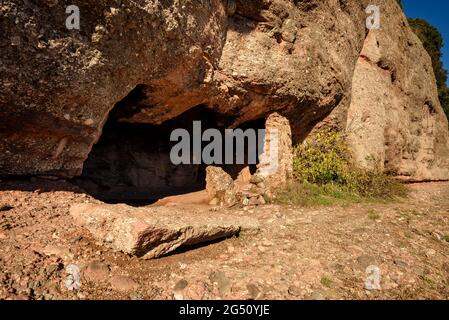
(219, 186)
(155, 231)
(395, 122)
(155, 60)
(276, 161)
(59, 85)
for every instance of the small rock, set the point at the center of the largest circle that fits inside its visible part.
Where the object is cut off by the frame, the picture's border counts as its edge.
(89, 122)
(15, 41)
(438, 235)
(178, 295)
(181, 285)
(294, 291)
(267, 243)
(253, 291)
(430, 253)
(73, 281)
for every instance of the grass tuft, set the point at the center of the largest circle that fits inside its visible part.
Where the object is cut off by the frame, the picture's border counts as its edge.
(324, 175)
(326, 281)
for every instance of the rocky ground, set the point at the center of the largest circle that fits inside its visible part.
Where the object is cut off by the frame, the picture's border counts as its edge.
(298, 253)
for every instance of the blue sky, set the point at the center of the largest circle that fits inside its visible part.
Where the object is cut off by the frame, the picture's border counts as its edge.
(436, 12)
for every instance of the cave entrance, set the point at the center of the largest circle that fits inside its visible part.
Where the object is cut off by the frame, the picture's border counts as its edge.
(131, 162)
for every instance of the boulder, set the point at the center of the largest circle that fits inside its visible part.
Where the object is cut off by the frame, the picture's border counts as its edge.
(219, 186)
(155, 231)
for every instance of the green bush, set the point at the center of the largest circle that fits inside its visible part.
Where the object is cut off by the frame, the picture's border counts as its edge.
(322, 159)
(375, 184)
(324, 174)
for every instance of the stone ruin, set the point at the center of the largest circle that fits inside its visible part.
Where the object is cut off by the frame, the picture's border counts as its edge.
(273, 171)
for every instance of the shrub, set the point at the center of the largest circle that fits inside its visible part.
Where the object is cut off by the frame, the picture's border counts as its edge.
(375, 184)
(324, 174)
(309, 195)
(322, 159)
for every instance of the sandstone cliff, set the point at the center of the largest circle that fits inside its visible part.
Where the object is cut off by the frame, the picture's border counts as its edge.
(154, 60)
(394, 120)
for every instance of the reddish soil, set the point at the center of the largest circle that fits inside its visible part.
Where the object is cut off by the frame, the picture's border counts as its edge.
(299, 253)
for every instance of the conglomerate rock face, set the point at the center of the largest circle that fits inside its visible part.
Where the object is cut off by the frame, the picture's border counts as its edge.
(58, 85)
(394, 121)
(153, 60)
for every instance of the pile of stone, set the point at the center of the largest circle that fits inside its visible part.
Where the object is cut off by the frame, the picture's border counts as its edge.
(273, 171)
(246, 190)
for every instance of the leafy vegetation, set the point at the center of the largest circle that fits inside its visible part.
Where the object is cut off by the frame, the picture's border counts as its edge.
(326, 281)
(324, 175)
(322, 159)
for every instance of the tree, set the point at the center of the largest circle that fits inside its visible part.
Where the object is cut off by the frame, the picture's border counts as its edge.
(433, 42)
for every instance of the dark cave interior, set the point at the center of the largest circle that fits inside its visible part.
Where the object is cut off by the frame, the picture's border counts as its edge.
(131, 162)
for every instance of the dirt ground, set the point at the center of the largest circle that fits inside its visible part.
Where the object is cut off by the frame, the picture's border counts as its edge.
(299, 253)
